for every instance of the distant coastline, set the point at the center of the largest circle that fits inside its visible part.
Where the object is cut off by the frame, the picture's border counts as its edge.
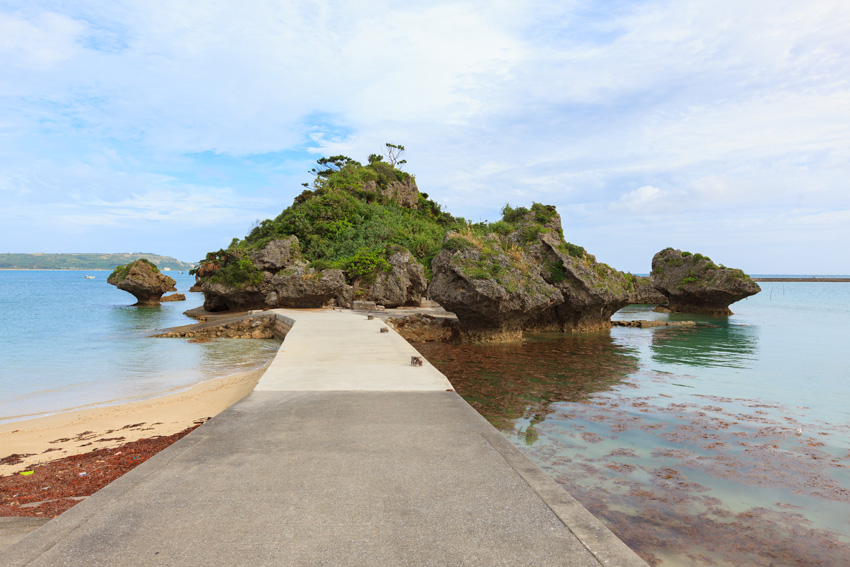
(86, 261)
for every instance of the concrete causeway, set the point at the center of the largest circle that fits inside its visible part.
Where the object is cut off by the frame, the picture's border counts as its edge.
(344, 454)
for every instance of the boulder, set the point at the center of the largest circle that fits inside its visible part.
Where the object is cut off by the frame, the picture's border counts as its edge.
(142, 279)
(174, 297)
(692, 283)
(493, 293)
(405, 284)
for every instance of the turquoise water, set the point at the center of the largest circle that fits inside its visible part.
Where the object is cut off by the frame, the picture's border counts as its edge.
(723, 444)
(68, 342)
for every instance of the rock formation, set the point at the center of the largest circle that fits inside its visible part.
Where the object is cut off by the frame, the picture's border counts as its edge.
(143, 280)
(692, 283)
(493, 294)
(173, 297)
(527, 279)
(276, 276)
(644, 293)
(404, 284)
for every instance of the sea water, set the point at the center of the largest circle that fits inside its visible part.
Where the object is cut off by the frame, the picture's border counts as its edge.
(726, 443)
(68, 342)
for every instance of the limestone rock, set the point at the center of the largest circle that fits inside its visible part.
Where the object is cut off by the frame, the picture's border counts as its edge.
(405, 192)
(592, 291)
(223, 297)
(693, 283)
(404, 285)
(422, 327)
(492, 293)
(173, 297)
(300, 286)
(142, 279)
(277, 254)
(644, 293)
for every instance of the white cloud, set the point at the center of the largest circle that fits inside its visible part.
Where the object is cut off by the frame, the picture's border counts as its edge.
(682, 111)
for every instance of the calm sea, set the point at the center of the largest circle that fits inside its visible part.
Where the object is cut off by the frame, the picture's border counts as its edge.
(723, 444)
(69, 342)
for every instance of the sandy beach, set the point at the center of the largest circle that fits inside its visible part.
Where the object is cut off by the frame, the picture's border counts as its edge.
(46, 439)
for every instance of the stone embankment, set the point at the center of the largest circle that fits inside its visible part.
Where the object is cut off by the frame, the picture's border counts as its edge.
(246, 326)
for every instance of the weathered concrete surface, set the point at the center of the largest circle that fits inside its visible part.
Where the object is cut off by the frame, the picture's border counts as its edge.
(13, 529)
(295, 477)
(341, 350)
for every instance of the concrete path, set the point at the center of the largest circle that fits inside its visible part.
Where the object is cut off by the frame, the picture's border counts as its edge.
(401, 472)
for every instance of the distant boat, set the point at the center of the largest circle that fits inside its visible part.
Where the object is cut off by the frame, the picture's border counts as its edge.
(89, 277)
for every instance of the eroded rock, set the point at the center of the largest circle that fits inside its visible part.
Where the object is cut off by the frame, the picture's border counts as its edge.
(692, 283)
(404, 285)
(142, 279)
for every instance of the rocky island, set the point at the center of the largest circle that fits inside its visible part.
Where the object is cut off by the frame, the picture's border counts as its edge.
(366, 233)
(692, 283)
(142, 279)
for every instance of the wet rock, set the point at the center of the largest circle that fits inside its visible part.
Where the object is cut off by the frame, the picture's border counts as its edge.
(142, 279)
(174, 297)
(692, 283)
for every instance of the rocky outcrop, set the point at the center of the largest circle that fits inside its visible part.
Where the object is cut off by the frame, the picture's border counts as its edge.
(692, 283)
(404, 285)
(493, 293)
(277, 254)
(276, 276)
(527, 280)
(301, 286)
(404, 192)
(173, 297)
(643, 292)
(142, 279)
(422, 327)
(592, 291)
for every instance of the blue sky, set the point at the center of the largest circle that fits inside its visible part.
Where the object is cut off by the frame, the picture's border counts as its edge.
(170, 127)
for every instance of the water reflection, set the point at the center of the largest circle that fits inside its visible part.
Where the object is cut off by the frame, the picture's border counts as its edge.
(515, 381)
(718, 343)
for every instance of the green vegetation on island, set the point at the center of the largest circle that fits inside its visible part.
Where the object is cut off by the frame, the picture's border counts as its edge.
(93, 261)
(355, 217)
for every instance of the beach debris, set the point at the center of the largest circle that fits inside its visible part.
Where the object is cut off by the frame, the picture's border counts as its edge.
(799, 431)
(82, 474)
(385, 329)
(26, 473)
(370, 317)
(15, 458)
(416, 361)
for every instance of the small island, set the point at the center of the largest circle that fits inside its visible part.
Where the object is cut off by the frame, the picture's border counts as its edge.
(366, 233)
(142, 279)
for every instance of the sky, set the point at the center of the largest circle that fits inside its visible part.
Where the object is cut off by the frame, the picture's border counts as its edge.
(172, 127)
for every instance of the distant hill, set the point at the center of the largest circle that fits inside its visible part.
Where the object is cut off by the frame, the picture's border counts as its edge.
(84, 261)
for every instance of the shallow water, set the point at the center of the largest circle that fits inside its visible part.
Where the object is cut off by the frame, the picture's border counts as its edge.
(723, 444)
(68, 342)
